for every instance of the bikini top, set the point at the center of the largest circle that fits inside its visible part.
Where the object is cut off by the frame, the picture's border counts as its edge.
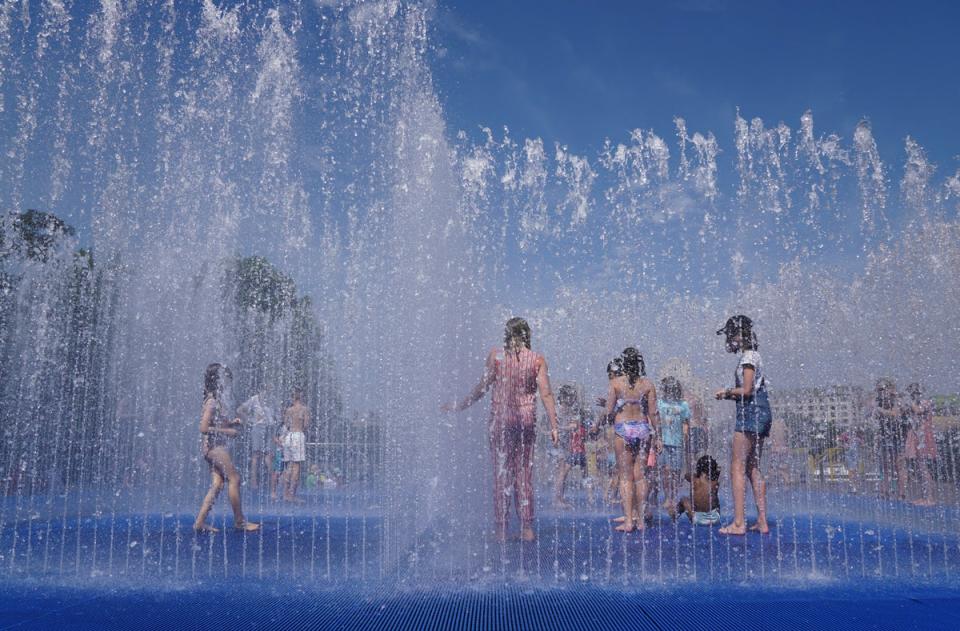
(621, 403)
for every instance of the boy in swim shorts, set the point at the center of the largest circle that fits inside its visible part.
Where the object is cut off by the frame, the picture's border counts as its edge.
(297, 419)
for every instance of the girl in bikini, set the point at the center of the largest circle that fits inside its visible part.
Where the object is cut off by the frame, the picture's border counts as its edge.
(632, 404)
(215, 429)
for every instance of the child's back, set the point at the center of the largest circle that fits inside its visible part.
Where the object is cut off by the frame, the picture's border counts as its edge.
(703, 508)
(705, 493)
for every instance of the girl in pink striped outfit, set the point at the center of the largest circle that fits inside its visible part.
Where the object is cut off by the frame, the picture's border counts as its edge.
(516, 374)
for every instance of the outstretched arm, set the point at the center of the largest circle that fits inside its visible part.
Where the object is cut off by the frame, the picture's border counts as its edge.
(489, 372)
(546, 395)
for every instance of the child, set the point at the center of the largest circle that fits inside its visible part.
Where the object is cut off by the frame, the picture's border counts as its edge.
(675, 424)
(632, 403)
(216, 427)
(753, 424)
(573, 434)
(297, 421)
(703, 508)
(921, 412)
(313, 477)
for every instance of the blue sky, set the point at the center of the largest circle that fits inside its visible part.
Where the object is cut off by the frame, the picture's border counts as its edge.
(581, 71)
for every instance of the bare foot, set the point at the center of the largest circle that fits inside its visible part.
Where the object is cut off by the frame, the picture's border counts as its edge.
(527, 534)
(247, 526)
(733, 529)
(626, 527)
(760, 527)
(205, 528)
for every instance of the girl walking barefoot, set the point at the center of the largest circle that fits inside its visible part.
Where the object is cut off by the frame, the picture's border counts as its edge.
(753, 424)
(215, 429)
(632, 403)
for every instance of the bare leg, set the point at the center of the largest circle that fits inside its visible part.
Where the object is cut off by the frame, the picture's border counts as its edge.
(255, 460)
(561, 482)
(612, 486)
(643, 489)
(221, 461)
(216, 485)
(625, 466)
(738, 463)
(274, 481)
(293, 481)
(757, 482)
(650, 477)
(686, 506)
(671, 484)
(523, 476)
(900, 466)
(502, 480)
(927, 481)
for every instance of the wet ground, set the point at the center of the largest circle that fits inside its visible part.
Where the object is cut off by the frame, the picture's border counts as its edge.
(829, 559)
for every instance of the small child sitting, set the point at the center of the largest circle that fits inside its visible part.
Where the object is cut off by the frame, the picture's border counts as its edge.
(313, 477)
(704, 508)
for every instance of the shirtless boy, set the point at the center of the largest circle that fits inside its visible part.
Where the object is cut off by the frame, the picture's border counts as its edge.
(297, 420)
(703, 508)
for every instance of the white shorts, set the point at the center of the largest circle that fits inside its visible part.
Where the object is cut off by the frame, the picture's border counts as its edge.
(294, 447)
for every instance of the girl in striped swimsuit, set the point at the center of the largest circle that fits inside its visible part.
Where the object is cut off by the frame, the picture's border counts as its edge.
(516, 374)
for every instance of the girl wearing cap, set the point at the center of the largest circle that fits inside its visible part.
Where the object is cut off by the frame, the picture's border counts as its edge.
(516, 374)
(753, 424)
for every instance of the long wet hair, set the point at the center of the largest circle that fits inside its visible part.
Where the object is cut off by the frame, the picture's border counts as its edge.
(633, 366)
(214, 378)
(516, 333)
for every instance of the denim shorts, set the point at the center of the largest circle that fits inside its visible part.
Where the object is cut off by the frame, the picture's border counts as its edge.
(754, 415)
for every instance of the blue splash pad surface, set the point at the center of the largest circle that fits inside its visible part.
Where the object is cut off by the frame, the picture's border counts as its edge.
(506, 607)
(328, 571)
(575, 549)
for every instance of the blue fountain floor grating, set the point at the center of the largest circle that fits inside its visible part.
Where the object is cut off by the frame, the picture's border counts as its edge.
(569, 549)
(347, 570)
(505, 607)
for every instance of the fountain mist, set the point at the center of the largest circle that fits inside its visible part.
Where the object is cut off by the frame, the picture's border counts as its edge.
(276, 189)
